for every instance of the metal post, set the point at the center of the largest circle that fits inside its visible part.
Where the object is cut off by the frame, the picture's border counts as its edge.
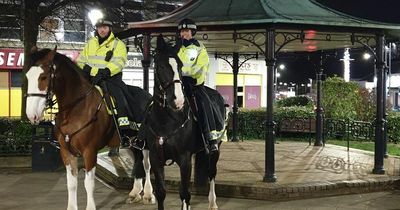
(235, 70)
(275, 82)
(387, 74)
(318, 138)
(385, 154)
(146, 61)
(269, 175)
(379, 130)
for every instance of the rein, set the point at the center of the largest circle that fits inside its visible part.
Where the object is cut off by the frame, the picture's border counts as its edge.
(50, 102)
(68, 137)
(163, 139)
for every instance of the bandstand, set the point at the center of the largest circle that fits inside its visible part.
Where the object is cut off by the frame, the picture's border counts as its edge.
(266, 28)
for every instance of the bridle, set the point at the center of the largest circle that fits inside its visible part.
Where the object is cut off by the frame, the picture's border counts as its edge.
(161, 98)
(50, 93)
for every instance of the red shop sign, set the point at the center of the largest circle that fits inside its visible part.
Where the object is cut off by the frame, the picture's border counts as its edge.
(11, 58)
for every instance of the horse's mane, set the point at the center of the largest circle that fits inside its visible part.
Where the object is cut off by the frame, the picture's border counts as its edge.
(36, 56)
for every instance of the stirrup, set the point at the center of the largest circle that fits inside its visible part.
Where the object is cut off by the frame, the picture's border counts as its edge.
(137, 144)
(213, 146)
(125, 142)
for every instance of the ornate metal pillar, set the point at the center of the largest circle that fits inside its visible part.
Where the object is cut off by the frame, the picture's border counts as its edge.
(146, 60)
(235, 69)
(379, 121)
(269, 175)
(319, 125)
(385, 76)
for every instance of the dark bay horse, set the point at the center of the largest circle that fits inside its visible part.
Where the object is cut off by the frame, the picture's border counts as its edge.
(173, 134)
(82, 125)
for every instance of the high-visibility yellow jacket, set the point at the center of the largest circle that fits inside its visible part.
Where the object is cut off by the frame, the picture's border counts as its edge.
(94, 55)
(195, 62)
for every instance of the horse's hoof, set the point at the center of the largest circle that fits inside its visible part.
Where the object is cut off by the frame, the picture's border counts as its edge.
(214, 208)
(149, 200)
(134, 199)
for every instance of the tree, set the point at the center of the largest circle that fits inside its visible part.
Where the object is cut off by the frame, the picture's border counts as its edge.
(34, 12)
(39, 14)
(340, 98)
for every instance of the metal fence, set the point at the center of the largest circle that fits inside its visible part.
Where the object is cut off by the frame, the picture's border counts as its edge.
(349, 129)
(333, 128)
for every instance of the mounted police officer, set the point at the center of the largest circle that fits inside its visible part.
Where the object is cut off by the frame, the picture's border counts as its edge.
(195, 61)
(102, 60)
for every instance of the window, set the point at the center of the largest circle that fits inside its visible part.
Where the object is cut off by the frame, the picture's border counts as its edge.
(3, 79)
(16, 78)
(9, 20)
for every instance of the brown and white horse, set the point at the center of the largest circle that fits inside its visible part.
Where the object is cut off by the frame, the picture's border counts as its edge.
(82, 125)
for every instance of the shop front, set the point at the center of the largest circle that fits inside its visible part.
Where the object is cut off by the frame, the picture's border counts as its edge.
(11, 77)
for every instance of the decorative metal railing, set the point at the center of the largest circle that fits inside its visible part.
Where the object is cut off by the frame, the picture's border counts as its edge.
(333, 128)
(349, 129)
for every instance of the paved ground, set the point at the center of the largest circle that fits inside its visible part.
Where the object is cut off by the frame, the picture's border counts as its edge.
(305, 174)
(302, 171)
(47, 191)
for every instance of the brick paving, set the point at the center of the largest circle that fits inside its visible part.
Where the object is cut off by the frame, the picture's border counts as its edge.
(302, 171)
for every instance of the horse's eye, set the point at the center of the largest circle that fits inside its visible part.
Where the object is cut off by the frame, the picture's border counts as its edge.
(43, 78)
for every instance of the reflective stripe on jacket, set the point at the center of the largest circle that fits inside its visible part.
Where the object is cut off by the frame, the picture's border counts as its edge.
(94, 55)
(195, 62)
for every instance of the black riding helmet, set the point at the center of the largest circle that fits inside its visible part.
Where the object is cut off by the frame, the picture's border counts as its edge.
(103, 22)
(187, 24)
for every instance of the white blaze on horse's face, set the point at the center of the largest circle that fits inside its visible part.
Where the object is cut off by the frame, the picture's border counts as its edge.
(179, 97)
(35, 105)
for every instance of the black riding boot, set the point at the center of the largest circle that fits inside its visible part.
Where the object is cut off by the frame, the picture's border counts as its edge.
(127, 136)
(138, 143)
(213, 145)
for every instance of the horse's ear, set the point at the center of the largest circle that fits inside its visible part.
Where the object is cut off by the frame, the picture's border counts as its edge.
(51, 54)
(34, 49)
(160, 42)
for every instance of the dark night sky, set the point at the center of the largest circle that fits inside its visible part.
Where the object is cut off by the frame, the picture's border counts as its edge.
(304, 64)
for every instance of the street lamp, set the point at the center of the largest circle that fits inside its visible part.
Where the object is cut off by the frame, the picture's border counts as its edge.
(276, 75)
(366, 56)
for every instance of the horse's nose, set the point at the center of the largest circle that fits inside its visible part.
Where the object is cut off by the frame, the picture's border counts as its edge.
(34, 119)
(179, 104)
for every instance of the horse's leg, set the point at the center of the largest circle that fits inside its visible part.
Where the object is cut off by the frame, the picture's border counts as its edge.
(138, 173)
(158, 170)
(71, 163)
(148, 197)
(90, 159)
(185, 170)
(212, 197)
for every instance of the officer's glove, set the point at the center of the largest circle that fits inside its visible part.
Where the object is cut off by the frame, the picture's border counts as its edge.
(86, 70)
(101, 75)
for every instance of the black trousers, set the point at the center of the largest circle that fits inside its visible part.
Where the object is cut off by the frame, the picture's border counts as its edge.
(117, 88)
(204, 112)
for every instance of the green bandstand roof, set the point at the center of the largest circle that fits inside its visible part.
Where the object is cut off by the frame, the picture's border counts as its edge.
(220, 20)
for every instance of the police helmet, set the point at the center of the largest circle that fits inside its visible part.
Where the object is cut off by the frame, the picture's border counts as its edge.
(187, 24)
(103, 22)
